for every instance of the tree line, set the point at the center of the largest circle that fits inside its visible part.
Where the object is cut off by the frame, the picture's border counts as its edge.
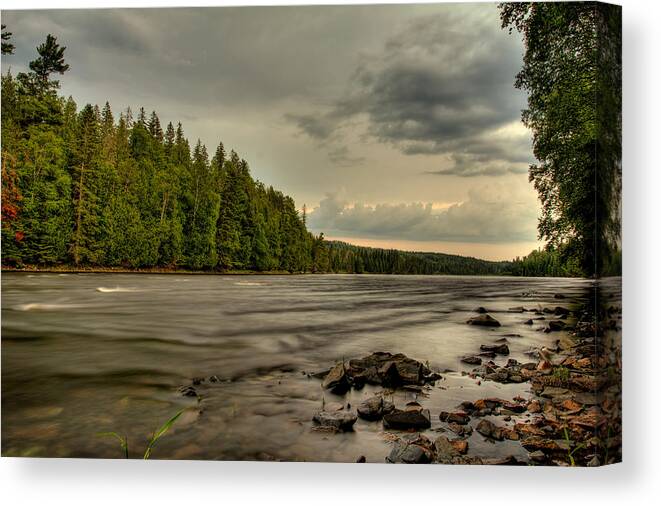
(84, 187)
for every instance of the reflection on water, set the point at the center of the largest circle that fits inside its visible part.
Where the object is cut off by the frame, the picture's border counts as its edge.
(86, 353)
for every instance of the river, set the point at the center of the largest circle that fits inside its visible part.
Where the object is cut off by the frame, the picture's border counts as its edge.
(90, 353)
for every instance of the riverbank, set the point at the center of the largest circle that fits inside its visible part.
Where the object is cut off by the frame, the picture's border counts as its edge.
(68, 269)
(568, 411)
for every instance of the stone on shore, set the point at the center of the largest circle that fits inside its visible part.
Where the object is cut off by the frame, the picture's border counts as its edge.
(337, 380)
(472, 359)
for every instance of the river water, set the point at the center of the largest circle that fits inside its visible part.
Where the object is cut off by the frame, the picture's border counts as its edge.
(90, 353)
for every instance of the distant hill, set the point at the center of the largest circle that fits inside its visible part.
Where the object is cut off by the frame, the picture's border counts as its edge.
(344, 257)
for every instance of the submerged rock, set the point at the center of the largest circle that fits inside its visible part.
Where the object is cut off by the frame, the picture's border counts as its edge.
(484, 320)
(472, 359)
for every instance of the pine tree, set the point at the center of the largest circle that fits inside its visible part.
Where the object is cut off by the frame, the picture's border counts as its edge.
(50, 61)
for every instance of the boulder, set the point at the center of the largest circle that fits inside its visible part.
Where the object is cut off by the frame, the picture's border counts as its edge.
(374, 408)
(407, 419)
(528, 322)
(383, 368)
(559, 310)
(481, 310)
(472, 359)
(484, 320)
(338, 420)
(337, 380)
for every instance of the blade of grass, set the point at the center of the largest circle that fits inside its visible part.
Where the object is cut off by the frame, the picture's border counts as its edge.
(160, 433)
(123, 441)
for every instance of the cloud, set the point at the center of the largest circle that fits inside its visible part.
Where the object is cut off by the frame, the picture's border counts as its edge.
(441, 86)
(495, 213)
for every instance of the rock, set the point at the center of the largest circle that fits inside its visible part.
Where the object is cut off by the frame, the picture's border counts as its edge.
(594, 462)
(415, 451)
(501, 349)
(374, 408)
(407, 419)
(534, 407)
(534, 443)
(338, 420)
(518, 309)
(445, 450)
(337, 380)
(361, 460)
(488, 429)
(510, 460)
(544, 365)
(383, 368)
(484, 320)
(537, 456)
(460, 445)
(556, 325)
(558, 296)
(188, 391)
(458, 417)
(481, 310)
(472, 359)
(528, 322)
(460, 430)
(551, 392)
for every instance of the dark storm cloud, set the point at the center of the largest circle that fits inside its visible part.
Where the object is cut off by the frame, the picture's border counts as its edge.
(442, 86)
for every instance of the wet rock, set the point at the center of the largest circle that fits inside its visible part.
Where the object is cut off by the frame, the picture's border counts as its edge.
(556, 325)
(518, 309)
(460, 430)
(535, 443)
(481, 310)
(558, 296)
(528, 322)
(383, 368)
(188, 391)
(337, 380)
(374, 408)
(490, 430)
(472, 359)
(551, 392)
(460, 445)
(458, 417)
(534, 407)
(411, 451)
(500, 349)
(407, 419)
(537, 456)
(484, 320)
(338, 420)
(510, 460)
(561, 311)
(361, 459)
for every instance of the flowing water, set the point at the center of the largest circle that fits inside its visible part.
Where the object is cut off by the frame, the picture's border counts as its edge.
(89, 353)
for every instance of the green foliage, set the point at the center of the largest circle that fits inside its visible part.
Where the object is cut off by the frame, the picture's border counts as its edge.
(572, 72)
(156, 435)
(7, 47)
(342, 257)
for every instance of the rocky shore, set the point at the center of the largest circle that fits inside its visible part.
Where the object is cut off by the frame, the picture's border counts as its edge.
(568, 413)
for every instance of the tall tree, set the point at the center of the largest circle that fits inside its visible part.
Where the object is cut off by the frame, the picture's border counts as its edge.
(572, 73)
(7, 47)
(50, 61)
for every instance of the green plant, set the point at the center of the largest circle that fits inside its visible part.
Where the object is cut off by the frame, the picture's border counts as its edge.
(561, 373)
(570, 451)
(156, 435)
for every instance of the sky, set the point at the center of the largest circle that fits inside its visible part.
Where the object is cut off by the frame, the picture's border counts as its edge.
(396, 125)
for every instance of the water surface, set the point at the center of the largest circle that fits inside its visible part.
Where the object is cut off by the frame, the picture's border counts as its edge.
(87, 353)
